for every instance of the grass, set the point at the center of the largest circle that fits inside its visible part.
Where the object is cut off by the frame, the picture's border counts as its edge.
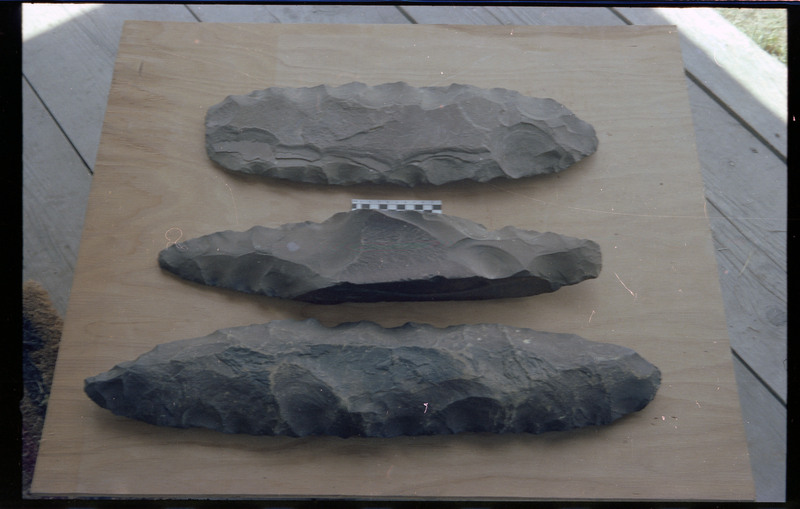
(766, 27)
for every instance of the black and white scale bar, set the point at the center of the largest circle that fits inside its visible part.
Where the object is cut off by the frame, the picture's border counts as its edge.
(434, 206)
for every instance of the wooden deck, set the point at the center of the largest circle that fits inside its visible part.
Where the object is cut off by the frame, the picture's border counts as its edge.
(737, 94)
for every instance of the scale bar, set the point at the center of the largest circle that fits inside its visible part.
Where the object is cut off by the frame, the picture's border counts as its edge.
(433, 206)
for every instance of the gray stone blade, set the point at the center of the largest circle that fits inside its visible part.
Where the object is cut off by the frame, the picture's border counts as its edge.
(372, 255)
(394, 133)
(360, 379)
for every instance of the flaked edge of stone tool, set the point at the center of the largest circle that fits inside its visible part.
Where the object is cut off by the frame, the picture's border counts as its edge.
(301, 378)
(394, 133)
(375, 255)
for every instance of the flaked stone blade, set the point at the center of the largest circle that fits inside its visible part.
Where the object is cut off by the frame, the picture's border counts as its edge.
(394, 133)
(360, 379)
(374, 255)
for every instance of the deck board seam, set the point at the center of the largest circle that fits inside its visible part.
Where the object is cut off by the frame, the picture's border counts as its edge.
(758, 377)
(195, 16)
(735, 116)
(406, 15)
(620, 16)
(492, 14)
(58, 124)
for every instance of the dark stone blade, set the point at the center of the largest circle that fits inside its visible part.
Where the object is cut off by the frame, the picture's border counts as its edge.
(360, 379)
(371, 255)
(394, 133)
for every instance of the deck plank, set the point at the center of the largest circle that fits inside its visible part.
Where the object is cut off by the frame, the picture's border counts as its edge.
(454, 15)
(337, 14)
(744, 77)
(754, 295)
(298, 14)
(508, 15)
(211, 13)
(743, 178)
(55, 189)
(583, 16)
(70, 65)
(746, 191)
(578, 16)
(765, 426)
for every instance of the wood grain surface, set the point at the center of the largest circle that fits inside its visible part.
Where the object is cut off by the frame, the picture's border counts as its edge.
(640, 197)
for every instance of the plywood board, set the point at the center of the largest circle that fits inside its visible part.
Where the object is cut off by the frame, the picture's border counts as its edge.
(640, 197)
